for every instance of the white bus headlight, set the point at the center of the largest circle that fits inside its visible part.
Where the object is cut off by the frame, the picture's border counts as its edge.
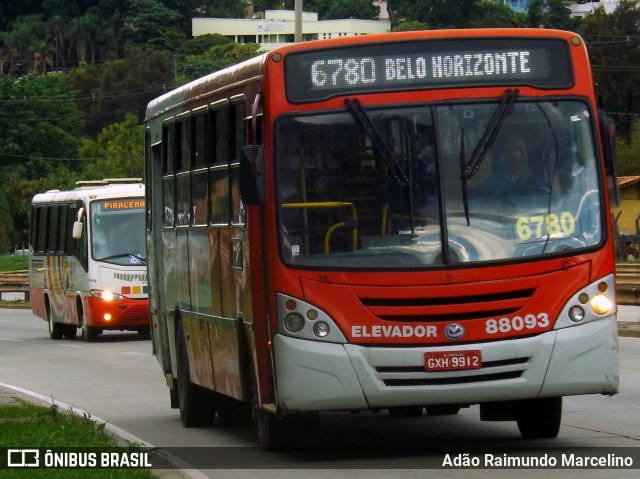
(106, 295)
(601, 304)
(576, 313)
(321, 329)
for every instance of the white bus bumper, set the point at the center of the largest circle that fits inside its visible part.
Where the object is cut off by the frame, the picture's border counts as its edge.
(322, 376)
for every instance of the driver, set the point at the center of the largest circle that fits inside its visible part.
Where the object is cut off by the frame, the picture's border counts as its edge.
(516, 174)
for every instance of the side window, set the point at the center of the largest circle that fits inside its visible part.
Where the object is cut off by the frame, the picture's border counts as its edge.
(237, 117)
(52, 239)
(42, 229)
(63, 218)
(219, 176)
(200, 173)
(183, 177)
(168, 178)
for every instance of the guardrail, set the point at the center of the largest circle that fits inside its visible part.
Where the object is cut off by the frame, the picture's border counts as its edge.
(15, 282)
(628, 283)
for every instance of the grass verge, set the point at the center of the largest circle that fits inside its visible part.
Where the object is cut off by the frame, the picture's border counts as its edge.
(23, 425)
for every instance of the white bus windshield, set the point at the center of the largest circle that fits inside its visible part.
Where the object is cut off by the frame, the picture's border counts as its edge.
(117, 231)
(395, 187)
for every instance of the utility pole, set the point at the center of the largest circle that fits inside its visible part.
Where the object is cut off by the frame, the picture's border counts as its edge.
(298, 21)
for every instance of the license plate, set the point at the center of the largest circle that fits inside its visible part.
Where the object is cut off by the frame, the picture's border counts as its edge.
(453, 360)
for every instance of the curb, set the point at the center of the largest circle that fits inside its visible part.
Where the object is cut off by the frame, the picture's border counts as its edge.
(170, 467)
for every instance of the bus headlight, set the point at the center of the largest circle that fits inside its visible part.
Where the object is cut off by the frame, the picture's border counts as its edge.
(321, 329)
(106, 295)
(293, 322)
(576, 313)
(601, 304)
(591, 303)
(299, 319)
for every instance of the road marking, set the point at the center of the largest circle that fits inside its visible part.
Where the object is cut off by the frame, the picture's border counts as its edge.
(72, 346)
(14, 340)
(136, 354)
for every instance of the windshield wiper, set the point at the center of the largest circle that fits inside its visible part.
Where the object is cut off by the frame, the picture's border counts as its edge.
(123, 255)
(382, 150)
(465, 196)
(489, 136)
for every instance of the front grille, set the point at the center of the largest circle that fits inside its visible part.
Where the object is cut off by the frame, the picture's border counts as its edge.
(417, 376)
(433, 306)
(135, 315)
(453, 380)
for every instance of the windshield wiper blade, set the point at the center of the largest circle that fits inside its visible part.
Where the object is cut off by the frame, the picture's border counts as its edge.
(465, 195)
(489, 136)
(362, 118)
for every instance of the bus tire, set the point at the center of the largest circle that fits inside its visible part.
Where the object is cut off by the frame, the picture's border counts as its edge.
(539, 418)
(89, 334)
(194, 402)
(70, 331)
(56, 330)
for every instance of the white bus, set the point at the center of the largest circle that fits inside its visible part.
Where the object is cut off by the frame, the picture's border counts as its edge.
(87, 261)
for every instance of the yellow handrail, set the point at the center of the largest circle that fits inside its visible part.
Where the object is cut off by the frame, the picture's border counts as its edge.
(332, 204)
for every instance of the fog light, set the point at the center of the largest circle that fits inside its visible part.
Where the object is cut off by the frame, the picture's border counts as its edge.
(294, 322)
(321, 329)
(576, 314)
(107, 317)
(601, 304)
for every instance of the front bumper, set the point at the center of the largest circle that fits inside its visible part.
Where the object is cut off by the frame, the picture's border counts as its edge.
(324, 376)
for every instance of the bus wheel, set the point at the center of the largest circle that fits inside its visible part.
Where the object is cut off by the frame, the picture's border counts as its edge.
(89, 334)
(194, 402)
(56, 330)
(539, 418)
(70, 331)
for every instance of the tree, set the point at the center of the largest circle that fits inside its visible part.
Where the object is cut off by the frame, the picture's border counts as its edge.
(118, 152)
(551, 14)
(144, 18)
(217, 58)
(336, 9)
(436, 13)
(614, 56)
(40, 123)
(114, 89)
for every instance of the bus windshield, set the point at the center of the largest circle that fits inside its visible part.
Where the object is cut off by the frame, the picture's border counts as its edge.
(437, 184)
(117, 231)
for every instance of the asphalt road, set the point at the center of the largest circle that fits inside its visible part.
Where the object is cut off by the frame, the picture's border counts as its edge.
(118, 380)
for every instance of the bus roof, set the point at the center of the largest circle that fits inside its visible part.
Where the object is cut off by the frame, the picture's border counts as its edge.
(88, 192)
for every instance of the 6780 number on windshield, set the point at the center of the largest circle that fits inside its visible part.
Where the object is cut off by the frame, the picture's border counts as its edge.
(540, 226)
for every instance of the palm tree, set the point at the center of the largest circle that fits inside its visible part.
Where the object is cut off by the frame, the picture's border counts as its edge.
(84, 31)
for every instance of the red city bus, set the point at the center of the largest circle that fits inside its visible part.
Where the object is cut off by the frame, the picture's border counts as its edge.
(411, 222)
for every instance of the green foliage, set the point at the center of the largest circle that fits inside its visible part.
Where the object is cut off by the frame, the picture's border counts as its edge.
(50, 428)
(216, 58)
(40, 123)
(629, 153)
(551, 14)
(614, 58)
(222, 8)
(144, 18)
(117, 153)
(14, 263)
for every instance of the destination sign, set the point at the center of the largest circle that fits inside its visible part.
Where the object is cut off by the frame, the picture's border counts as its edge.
(123, 204)
(321, 74)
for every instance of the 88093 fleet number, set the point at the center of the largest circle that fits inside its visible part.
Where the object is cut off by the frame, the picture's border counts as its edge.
(517, 323)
